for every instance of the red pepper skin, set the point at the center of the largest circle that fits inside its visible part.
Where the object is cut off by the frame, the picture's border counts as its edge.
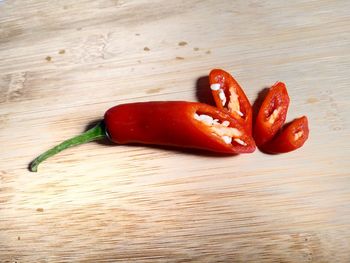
(226, 82)
(287, 140)
(277, 98)
(171, 123)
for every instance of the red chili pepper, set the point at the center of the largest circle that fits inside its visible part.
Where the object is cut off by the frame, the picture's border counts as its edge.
(272, 114)
(181, 124)
(291, 137)
(229, 95)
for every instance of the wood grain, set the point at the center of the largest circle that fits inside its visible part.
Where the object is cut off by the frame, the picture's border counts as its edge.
(63, 63)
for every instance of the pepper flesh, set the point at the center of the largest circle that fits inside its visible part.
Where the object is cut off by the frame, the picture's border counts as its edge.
(229, 95)
(292, 137)
(175, 124)
(272, 114)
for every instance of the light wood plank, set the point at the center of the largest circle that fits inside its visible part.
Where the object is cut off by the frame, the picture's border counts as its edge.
(63, 63)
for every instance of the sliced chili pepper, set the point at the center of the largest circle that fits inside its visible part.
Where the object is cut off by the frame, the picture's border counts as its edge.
(181, 124)
(272, 114)
(184, 124)
(229, 95)
(292, 137)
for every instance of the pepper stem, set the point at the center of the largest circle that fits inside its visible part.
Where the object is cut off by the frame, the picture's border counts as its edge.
(96, 133)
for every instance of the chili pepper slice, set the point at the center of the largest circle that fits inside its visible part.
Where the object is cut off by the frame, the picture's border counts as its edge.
(292, 137)
(272, 114)
(229, 95)
(176, 123)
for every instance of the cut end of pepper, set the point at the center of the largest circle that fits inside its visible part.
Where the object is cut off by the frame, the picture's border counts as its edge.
(229, 134)
(96, 133)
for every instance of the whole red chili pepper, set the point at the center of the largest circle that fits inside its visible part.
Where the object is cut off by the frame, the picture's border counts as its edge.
(272, 114)
(177, 123)
(229, 95)
(292, 137)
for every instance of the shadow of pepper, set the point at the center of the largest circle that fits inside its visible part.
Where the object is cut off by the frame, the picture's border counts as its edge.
(104, 141)
(203, 91)
(258, 102)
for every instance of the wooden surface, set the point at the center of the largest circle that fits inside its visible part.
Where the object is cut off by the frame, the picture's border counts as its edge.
(63, 63)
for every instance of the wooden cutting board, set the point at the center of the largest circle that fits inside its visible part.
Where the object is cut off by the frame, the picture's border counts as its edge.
(63, 63)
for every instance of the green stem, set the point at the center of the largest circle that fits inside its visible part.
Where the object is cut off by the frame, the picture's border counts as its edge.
(96, 133)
